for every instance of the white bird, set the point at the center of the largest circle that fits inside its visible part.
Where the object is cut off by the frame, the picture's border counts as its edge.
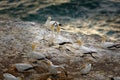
(23, 67)
(115, 78)
(53, 69)
(53, 24)
(36, 55)
(85, 50)
(109, 45)
(85, 68)
(8, 76)
(49, 23)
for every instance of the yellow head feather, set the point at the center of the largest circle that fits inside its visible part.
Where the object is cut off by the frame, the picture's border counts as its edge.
(19, 78)
(79, 42)
(83, 66)
(103, 38)
(33, 46)
(49, 18)
(48, 62)
(49, 79)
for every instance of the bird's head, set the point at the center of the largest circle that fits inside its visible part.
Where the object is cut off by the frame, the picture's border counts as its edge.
(49, 78)
(49, 18)
(33, 46)
(79, 42)
(88, 60)
(48, 62)
(103, 38)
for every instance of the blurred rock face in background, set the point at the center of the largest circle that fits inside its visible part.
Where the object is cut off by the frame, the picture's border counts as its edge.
(93, 16)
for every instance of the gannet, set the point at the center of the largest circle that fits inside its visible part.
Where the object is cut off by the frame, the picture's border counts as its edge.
(109, 45)
(36, 55)
(85, 68)
(53, 24)
(115, 78)
(8, 76)
(79, 49)
(48, 23)
(53, 69)
(85, 50)
(21, 67)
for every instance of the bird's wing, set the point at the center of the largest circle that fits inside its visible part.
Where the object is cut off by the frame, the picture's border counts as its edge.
(115, 46)
(55, 23)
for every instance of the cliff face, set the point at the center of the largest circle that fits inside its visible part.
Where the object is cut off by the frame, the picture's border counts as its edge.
(91, 21)
(17, 37)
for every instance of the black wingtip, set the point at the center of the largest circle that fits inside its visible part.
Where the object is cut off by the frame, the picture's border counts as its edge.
(29, 68)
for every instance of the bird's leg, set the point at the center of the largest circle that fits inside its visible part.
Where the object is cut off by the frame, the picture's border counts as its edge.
(58, 29)
(52, 28)
(52, 38)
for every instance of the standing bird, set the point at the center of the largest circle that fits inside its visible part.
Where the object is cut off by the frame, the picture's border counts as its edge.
(53, 69)
(8, 76)
(53, 24)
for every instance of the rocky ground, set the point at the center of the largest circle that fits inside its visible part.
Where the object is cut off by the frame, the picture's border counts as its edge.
(17, 37)
(82, 20)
